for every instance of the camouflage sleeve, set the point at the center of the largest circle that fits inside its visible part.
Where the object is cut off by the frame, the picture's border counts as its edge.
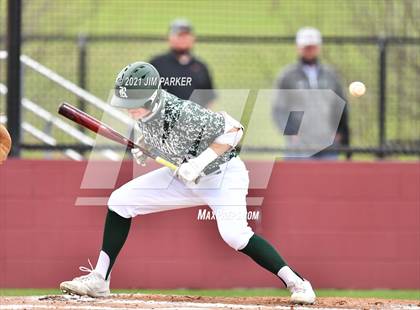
(200, 124)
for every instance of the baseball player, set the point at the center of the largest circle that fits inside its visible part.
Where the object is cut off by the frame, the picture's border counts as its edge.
(202, 144)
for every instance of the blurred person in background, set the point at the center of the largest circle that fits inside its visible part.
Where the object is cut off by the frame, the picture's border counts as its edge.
(188, 73)
(310, 73)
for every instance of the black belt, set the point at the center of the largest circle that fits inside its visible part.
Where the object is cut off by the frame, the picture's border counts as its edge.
(216, 169)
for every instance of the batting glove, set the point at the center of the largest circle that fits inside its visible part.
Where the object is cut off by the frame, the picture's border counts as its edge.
(190, 171)
(139, 156)
(137, 153)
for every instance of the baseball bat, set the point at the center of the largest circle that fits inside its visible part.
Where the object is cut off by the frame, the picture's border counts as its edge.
(91, 123)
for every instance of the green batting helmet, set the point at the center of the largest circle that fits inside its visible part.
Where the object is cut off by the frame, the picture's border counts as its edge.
(138, 86)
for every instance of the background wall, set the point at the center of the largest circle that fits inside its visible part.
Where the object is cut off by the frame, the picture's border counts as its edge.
(245, 44)
(342, 225)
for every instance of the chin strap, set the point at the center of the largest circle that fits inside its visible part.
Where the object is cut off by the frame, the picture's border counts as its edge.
(157, 107)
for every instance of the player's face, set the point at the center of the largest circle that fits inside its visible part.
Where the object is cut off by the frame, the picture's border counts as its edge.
(182, 41)
(309, 52)
(138, 113)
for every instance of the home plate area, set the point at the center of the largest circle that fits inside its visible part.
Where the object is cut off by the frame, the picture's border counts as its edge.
(143, 301)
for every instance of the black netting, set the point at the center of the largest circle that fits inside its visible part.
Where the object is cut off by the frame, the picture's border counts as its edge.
(245, 44)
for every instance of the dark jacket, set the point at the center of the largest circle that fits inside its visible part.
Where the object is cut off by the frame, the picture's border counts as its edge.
(197, 72)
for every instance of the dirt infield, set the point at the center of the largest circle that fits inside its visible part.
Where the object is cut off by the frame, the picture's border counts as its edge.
(141, 301)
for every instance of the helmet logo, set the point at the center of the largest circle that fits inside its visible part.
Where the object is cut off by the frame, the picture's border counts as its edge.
(123, 92)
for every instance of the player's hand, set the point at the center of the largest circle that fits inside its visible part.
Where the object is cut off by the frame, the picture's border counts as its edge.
(191, 170)
(139, 156)
(188, 172)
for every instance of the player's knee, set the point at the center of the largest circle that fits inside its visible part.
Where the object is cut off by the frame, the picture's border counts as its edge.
(114, 199)
(236, 239)
(116, 203)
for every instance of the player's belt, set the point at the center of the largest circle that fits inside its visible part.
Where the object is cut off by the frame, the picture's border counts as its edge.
(212, 171)
(216, 169)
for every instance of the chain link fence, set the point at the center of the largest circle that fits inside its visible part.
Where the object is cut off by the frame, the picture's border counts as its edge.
(245, 44)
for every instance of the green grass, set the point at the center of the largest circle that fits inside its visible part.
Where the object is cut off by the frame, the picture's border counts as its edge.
(391, 294)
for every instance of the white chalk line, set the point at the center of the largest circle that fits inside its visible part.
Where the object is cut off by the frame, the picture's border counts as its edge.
(80, 303)
(179, 306)
(149, 304)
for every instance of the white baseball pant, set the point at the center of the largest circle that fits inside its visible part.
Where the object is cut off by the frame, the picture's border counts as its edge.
(159, 190)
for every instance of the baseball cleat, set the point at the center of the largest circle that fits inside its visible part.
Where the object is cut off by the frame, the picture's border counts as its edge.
(92, 284)
(302, 293)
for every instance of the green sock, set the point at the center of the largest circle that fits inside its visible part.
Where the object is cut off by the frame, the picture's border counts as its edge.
(115, 233)
(264, 254)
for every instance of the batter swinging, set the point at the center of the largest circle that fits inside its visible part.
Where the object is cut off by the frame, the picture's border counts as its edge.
(202, 143)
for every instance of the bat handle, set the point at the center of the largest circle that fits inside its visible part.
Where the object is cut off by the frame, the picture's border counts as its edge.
(173, 167)
(166, 163)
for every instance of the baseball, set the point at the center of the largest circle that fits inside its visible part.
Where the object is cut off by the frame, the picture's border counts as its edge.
(357, 89)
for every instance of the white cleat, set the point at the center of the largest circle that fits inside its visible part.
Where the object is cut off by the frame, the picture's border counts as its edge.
(92, 284)
(302, 293)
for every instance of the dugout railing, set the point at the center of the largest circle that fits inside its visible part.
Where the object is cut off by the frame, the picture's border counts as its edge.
(50, 143)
